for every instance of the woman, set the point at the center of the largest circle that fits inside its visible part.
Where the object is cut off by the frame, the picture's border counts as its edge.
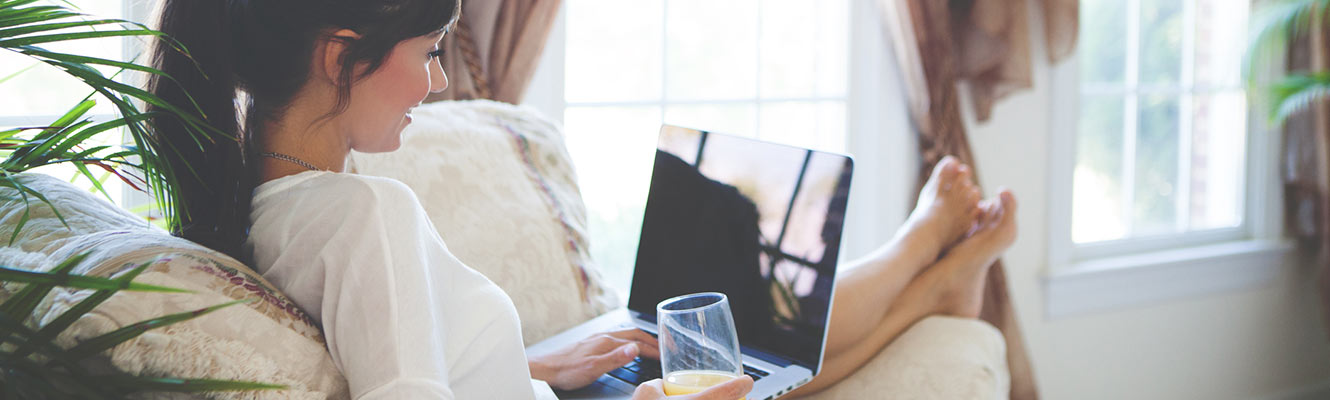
(301, 83)
(403, 318)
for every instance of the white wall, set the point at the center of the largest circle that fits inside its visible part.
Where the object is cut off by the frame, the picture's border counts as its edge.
(1264, 342)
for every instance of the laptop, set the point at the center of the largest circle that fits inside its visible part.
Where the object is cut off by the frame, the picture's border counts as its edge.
(758, 221)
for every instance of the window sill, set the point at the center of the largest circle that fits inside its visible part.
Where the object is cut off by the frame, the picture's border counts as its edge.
(1109, 283)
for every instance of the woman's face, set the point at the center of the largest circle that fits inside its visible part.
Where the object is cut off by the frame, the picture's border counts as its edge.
(381, 103)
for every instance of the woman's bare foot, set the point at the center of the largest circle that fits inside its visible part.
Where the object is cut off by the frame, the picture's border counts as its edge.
(957, 280)
(947, 210)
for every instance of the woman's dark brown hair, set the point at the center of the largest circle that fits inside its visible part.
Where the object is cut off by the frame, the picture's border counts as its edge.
(263, 49)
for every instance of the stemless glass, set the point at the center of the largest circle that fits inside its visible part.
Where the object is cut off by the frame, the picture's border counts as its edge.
(698, 345)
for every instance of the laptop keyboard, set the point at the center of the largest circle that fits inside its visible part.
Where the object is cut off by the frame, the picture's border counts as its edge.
(644, 369)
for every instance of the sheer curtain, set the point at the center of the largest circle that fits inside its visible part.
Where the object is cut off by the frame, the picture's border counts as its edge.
(986, 45)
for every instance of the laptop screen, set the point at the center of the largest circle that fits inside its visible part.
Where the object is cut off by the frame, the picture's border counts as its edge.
(760, 222)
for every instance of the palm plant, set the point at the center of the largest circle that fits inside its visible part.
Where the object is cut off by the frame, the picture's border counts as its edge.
(31, 365)
(26, 26)
(1273, 27)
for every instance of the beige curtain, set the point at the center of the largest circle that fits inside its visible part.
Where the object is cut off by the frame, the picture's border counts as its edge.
(984, 44)
(1306, 163)
(495, 48)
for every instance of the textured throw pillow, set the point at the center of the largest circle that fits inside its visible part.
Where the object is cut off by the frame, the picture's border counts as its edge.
(269, 340)
(498, 185)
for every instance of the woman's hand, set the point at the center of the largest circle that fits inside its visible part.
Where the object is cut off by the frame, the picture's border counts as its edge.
(733, 390)
(583, 362)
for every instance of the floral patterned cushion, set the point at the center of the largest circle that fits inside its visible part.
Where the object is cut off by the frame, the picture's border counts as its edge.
(267, 340)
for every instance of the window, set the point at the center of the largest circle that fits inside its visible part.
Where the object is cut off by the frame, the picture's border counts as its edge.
(1164, 183)
(36, 94)
(1161, 139)
(771, 69)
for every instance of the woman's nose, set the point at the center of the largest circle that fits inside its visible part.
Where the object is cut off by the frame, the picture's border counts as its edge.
(438, 80)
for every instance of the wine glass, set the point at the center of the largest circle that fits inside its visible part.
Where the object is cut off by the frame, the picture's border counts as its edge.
(698, 345)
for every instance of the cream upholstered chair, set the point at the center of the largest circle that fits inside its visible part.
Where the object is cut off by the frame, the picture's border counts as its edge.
(497, 183)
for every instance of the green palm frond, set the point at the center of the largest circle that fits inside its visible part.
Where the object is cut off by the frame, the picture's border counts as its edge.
(79, 281)
(131, 384)
(1298, 92)
(111, 339)
(1272, 27)
(53, 328)
(28, 25)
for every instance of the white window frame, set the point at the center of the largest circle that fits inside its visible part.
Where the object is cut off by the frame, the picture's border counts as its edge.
(877, 132)
(1095, 277)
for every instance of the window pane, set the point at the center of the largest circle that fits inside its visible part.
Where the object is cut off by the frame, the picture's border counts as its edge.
(47, 91)
(614, 50)
(804, 51)
(1221, 34)
(1161, 41)
(711, 51)
(1102, 48)
(1218, 147)
(613, 149)
(818, 125)
(1097, 196)
(1154, 207)
(831, 132)
(734, 119)
(786, 26)
(833, 47)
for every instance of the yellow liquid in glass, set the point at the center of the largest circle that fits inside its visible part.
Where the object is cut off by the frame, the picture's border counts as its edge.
(689, 382)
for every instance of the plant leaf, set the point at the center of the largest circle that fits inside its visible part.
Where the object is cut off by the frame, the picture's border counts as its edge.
(67, 318)
(25, 191)
(24, 155)
(80, 281)
(64, 37)
(53, 26)
(106, 341)
(148, 384)
(1272, 27)
(1297, 92)
(17, 73)
(26, 300)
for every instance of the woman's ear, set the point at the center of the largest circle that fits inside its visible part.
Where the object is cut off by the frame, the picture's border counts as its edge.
(332, 47)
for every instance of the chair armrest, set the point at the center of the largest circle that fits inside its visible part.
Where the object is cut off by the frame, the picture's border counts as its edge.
(937, 358)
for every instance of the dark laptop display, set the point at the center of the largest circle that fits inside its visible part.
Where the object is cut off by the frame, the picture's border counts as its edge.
(757, 221)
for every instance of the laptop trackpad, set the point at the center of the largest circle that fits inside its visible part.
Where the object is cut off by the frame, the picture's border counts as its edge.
(604, 388)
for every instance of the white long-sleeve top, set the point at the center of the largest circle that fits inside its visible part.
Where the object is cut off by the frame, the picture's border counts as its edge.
(403, 317)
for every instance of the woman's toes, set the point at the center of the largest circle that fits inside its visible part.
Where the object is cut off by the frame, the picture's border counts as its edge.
(946, 172)
(1008, 200)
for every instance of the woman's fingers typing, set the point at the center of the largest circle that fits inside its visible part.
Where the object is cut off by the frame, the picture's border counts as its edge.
(646, 343)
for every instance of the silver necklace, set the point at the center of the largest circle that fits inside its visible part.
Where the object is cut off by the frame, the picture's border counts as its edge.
(293, 160)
